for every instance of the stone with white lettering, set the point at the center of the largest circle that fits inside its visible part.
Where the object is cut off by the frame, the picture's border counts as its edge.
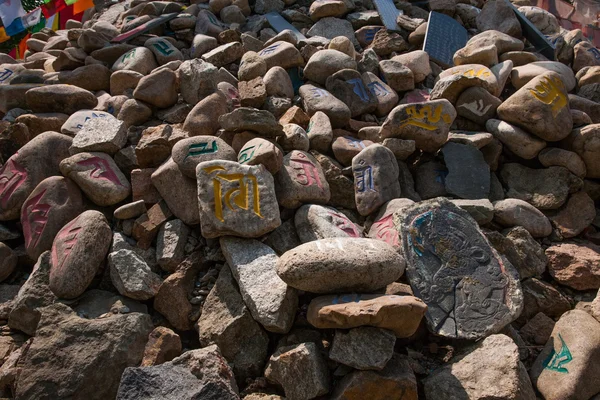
(477, 104)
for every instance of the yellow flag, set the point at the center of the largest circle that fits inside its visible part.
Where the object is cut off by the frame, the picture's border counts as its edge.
(3, 36)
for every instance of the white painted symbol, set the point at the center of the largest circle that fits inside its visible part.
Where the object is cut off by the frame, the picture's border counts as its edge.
(476, 107)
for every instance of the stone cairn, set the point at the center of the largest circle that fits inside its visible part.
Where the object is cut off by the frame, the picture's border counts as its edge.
(215, 210)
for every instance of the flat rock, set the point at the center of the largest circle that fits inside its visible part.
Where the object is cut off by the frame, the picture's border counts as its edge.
(100, 135)
(60, 98)
(131, 275)
(468, 173)
(575, 264)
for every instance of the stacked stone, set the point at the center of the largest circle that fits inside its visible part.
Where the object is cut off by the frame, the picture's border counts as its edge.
(215, 210)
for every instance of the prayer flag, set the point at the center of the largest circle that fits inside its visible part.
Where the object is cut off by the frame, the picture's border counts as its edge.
(10, 10)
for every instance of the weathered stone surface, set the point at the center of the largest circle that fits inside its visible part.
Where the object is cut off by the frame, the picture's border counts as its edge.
(316, 99)
(139, 59)
(575, 216)
(515, 212)
(75, 122)
(8, 263)
(567, 366)
(251, 119)
(131, 275)
(78, 252)
(456, 80)
(490, 369)
(203, 119)
(340, 264)
(564, 158)
(163, 345)
(158, 89)
(363, 348)
(252, 213)
(468, 173)
(533, 258)
(270, 301)
(445, 251)
(100, 135)
(170, 244)
(575, 264)
(301, 180)
(348, 86)
(583, 142)
(314, 222)
(517, 140)
(77, 358)
(261, 151)
(60, 98)
(400, 314)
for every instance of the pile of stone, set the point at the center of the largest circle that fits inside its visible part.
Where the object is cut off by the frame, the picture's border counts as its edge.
(215, 209)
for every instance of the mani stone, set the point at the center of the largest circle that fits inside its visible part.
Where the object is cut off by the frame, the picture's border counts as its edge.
(348, 86)
(317, 99)
(76, 120)
(300, 370)
(427, 123)
(383, 227)
(188, 153)
(569, 364)
(540, 107)
(271, 301)
(341, 264)
(24, 170)
(490, 369)
(236, 199)
(226, 322)
(98, 177)
(399, 314)
(468, 173)
(314, 222)
(261, 151)
(301, 180)
(470, 290)
(375, 171)
(53, 203)
(78, 252)
(364, 348)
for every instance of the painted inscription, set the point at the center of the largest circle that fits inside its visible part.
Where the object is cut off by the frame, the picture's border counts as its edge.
(342, 222)
(100, 170)
(472, 73)
(66, 239)
(128, 55)
(163, 48)
(364, 178)
(557, 360)
(34, 216)
(87, 118)
(386, 231)
(201, 148)
(477, 107)
(425, 117)
(307, 173)
(4, 75)
(243, 192)
(247, 154)
(268, 50)
(359, 88)
(318, 92)
(548, 92)
(12, 176)
(377, 89)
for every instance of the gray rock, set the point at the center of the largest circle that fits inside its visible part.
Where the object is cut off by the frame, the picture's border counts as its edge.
(314, 222)
(333, 27)
(197, 79)
(515, 212)
(251, 119)
(100, 134)
(94, 303)
(348, 86)
(482, 211)
(316, 99)
(468, 173)
(533, 258)
(325, 63)
(363, 348)
(131, 275)
(170, 244)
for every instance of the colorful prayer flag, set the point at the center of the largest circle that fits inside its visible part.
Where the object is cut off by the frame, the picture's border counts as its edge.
(53, 7)
(3, 36)
(10, 10)
(82, 5)
(22, 23)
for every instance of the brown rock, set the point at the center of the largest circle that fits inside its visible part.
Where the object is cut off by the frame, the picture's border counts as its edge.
(163, 345)
(575, 264)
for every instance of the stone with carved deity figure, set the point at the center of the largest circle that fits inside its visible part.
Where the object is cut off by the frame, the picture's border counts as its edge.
(375, 178)
(314, 222)
(53, 203)
(33, 163)
(301, 180)
(98, 176)
(470, 290)
(236, 199)
(78, 251)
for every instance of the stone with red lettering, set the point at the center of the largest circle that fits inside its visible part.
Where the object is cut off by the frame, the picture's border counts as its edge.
(318, 99)
(387, 98)
(314, 222)
(76, 120)
(383, 227)
(341, 264)
(301, 180)
(348, 86)
(375, 173)
(236, 199)
(77, 254)
(261, 151)
(100, 134)
(53, 203)
(178, 191)
(427, 123)
(24, 170)
(98, 177)
(188, 153)
(8, 261)
(320, 132)
(132, 276)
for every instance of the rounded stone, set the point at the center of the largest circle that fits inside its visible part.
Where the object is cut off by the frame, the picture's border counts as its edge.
(515, 212)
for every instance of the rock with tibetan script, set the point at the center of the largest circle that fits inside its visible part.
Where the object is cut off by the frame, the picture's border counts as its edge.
(314, 222)
(375, 178)
(78, 252)
(345, 148)
(455, 80)
(76, 120)
(470, 290)
(348, 86)
(300, 370)
(400, 314)
(318, 99)
(383, 227)
(236, 199)
(188, 153)
(140, 60)
(24, 170)
(569, 364)
(341, 264)
(163, 50)
(60, 98)
(251, 119)
(271, 301)
(427, 123)
(100, 134)
(51, 205)
(98, 177)
(477, 104)
(523, 74)
(178, 190)
(281, 54)
(495, 361)
(468, 173)
(261, 151)
(541, 107)
(364, 348)
(226, 322)
(131, 275)
(301, 180)
(387, 98)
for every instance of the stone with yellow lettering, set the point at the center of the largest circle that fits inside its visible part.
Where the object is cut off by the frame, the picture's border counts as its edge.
(301, 180)
(541, 107)
(188, 153)
(236, 199)
(453, 81)
(426, 123)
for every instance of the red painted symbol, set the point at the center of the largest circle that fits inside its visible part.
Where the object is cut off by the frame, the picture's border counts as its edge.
(343, 223)
(384, 230)
(66, 239)
(307, 173)
(101, 170)
(34, 217)
(12, 176)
